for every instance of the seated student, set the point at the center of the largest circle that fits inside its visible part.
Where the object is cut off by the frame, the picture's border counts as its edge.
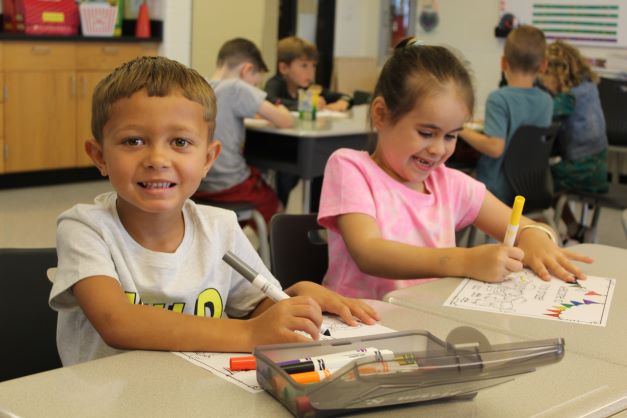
(582, 138)
(392, 215)
(296, 69)
(142, 267)
(240, 68)
(517, 104)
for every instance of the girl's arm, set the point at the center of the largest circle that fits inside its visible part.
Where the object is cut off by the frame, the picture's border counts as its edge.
(395, 260)
(124, 325)
(542, 255)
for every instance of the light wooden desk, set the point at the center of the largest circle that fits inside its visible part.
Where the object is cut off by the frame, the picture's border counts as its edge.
(604, 343)
(305, 149)
(160, 384)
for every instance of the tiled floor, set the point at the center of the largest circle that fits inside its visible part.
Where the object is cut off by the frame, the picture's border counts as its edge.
(27, 215)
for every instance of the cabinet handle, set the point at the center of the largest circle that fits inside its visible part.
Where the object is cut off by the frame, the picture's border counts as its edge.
(111, 50)
(6, 152)
(41, 50)
(72, 86)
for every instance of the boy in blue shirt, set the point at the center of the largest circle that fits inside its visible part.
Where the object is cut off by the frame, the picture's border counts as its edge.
(519, 103)
(240, 69)
(142, 267)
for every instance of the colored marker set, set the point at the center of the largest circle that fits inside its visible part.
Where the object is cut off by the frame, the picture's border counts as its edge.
(335, 377)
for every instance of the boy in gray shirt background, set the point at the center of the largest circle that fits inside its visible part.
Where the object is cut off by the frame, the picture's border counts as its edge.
(240, 70)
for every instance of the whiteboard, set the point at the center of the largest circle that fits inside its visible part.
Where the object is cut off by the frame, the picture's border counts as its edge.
(583, 22)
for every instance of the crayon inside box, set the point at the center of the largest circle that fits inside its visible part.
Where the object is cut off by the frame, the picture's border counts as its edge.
(424, 368)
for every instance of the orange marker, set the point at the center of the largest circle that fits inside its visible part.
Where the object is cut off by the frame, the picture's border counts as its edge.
(310, 377)
(242, 363)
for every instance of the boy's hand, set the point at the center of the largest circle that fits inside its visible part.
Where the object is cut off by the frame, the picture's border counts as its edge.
(346, 308)
(278, 323)
(546, 259)
(493, 262)
(338, 106)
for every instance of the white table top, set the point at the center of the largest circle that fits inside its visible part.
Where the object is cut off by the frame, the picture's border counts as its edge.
(160, 384)
(355, 122)
(607, 343)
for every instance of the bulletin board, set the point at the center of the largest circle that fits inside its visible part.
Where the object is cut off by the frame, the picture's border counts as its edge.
(584, 22)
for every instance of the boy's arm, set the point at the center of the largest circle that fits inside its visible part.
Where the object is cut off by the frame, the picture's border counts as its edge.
(377, 256)
(124, 325)
(488, 145)
(279, 116)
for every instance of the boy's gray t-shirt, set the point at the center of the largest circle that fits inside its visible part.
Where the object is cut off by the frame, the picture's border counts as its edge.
(91, 241)
(236, 101)
(506, 110)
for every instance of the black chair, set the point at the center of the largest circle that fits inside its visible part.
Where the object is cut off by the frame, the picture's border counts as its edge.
(615, 198)
(361, 97)
(245, 211)
(613, 95)
(29, 325)
(526, 167)
(298, 249)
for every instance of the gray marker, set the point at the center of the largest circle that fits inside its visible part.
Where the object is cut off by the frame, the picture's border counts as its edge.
(259, 281)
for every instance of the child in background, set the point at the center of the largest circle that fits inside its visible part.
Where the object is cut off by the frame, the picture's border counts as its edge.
(142, 267)
(296, 69)
(240, 69)
(519, 103)
(582, 138)
(392, 216)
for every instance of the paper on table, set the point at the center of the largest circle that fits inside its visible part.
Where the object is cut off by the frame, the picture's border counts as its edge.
(525, 294)
(218, 363)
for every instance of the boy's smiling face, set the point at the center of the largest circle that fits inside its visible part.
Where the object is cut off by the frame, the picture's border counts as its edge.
(155, 151)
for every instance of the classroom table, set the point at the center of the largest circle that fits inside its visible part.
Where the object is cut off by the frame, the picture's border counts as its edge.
(607, 343)
(160, 384)
(305, 149)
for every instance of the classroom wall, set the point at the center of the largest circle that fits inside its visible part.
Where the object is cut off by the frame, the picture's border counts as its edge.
(357, 28)
(214, 22)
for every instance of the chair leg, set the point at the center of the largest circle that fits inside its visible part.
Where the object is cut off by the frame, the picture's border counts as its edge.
(262, 233)
(559, 209)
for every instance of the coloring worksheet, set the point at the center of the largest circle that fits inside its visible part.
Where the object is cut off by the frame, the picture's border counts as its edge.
(525, 294)
(218, 363)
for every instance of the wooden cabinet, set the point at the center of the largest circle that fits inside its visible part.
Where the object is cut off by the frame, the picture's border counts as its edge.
(47, 100)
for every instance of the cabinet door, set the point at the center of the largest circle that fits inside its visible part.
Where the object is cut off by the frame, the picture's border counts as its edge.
(87, 80)
(40, 116)
(2, 156)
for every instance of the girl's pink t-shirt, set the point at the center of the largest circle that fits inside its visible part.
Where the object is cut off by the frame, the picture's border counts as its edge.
(354, 183)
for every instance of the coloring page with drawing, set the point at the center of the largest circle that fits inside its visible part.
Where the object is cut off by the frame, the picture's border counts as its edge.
(523, 293)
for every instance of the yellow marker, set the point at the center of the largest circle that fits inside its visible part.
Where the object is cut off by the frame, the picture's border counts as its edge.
(512, 228)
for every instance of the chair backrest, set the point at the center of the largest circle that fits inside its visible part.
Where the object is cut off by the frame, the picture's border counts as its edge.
(29, 324)
(526, 165)
(613, 95)
(298, 252)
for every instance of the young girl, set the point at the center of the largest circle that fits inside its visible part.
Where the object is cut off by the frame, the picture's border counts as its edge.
(392, 215)
(582, 139)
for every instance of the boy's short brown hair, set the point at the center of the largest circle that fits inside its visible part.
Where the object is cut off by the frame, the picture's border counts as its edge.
(239, 50)
(293, 47)
(525, 48)
(160, 77)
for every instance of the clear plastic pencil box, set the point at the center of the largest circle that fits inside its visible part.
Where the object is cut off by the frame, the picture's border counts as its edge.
(457, 368)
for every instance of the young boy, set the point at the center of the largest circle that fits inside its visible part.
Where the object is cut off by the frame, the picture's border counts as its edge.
(296, 69)
(519, 103)
(142, 267)
(240, 68)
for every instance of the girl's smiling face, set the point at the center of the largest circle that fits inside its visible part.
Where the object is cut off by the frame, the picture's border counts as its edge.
(422, 139)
